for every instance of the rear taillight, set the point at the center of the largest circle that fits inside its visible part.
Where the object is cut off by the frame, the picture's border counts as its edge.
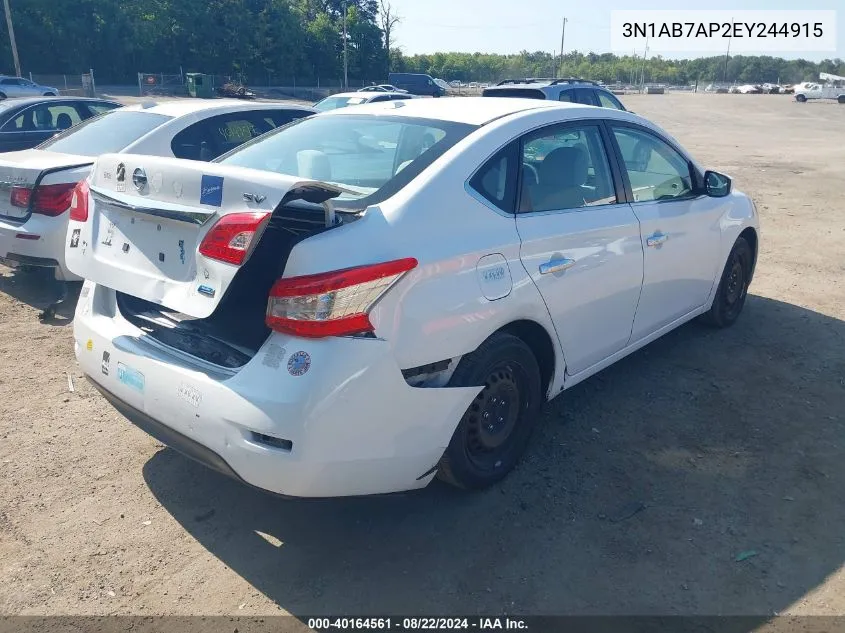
(79, 202)
(52, 200)
(337, 303)
(229, 240)
(20, 197)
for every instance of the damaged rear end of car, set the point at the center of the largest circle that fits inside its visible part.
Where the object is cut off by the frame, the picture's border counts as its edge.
(191, 325)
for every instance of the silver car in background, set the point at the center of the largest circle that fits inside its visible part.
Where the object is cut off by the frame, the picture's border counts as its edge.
(20, 87)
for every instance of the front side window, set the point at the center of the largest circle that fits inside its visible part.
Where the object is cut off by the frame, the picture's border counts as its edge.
(565, 168)
(655, 170)
(367, 155)
(44, 118)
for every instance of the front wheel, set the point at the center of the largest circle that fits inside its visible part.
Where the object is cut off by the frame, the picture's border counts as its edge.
(2, 95)
(841, 99)
(800, 98)
(494, 431)
(733, 286)
(49, 94)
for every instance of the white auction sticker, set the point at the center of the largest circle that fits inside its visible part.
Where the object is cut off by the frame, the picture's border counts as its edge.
(722, 31)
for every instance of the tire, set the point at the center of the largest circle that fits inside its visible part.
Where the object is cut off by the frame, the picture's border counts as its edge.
(479, 454)
(733, 286)
(841, 99)
(800, 98)
(49, 94)
(2, 95)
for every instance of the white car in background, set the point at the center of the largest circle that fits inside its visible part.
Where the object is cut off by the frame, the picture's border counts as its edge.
(346, 99)
(36, 185)
(370, 296)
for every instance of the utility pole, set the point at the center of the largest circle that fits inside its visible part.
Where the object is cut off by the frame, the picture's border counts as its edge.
(642, 74)
(728, 52)
(345, 55)
(562, 37)
(12, 38)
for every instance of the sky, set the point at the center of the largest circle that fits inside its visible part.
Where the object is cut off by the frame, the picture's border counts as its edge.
(509, 26)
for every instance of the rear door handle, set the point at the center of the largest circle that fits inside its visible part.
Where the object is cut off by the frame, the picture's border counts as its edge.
(556, 266)
(656, 239)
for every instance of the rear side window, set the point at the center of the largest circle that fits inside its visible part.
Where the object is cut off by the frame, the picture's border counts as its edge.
(100, 108)
(607, 100)
(566, 95)
(585, 96)
(496, 180)
(208, 139)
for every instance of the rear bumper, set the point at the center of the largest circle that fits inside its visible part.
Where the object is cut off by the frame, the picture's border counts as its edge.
(349, 425)
(40, 241)
(166, 435)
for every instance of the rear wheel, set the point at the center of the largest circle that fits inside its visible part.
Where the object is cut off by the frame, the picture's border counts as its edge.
(2, 95)
(841, 99)
(800, 98)
(494, 431)
(49, 94)
(733, 287)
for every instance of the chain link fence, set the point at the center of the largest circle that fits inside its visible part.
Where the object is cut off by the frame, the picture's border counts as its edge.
(81, 85)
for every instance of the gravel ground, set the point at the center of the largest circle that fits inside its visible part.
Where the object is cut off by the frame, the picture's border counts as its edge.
(642, 489)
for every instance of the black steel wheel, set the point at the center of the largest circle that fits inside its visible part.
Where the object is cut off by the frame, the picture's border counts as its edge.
(494, 430)
(733, 286)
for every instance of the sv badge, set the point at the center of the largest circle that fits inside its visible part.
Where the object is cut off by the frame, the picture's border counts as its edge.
(257, 198)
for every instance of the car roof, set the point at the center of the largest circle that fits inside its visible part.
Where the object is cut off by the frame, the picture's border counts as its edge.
(183, 107)
(25, 101)
(368, 94)
(472, 110)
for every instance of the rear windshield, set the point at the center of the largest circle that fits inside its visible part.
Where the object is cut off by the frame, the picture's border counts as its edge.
(104, 134)
(333, 103)
(520, 93)
(371, 156)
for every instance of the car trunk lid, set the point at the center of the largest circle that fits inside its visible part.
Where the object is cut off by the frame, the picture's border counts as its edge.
(148, 217)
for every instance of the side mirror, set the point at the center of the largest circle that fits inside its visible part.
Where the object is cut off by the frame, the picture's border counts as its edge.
(716, 185)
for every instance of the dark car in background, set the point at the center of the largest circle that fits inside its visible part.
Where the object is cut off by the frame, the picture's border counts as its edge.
(416, 84)
(27, 122)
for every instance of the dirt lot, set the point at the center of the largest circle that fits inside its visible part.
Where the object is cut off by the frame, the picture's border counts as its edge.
(731, 440)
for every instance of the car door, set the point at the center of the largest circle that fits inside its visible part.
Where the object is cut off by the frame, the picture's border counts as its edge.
(679, 226)
(11, 87)
(580, 242)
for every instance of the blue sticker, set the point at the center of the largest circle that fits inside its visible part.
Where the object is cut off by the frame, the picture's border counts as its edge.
(132, 378)
(211, 190)
(206, 290)
(299, 363)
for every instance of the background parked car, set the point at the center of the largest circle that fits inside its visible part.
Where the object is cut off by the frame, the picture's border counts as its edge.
(33, 209)
(25, 123)
(345, 99)
(572, 90)
(381, 88)
(20, 87)
(417, 84)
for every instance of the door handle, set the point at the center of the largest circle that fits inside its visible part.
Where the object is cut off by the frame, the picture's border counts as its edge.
(556, 266)
(656, 239)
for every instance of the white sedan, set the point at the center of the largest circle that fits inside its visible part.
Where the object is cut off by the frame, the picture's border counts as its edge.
(346, 99)
(375, 295)
(36, 184)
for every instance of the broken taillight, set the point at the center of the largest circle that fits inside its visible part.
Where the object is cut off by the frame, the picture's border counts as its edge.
(229, 240)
